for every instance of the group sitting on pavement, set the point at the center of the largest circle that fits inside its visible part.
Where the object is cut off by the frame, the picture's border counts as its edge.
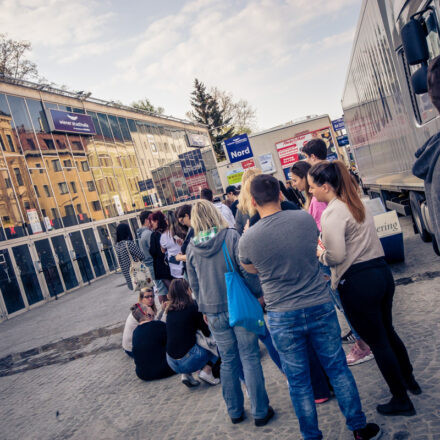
(299, 262)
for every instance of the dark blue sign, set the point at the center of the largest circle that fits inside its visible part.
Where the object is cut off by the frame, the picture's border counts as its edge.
(69, 122)
(342, 141)
(192, 163)
(238, 148)
(286, 172)
(338, 124)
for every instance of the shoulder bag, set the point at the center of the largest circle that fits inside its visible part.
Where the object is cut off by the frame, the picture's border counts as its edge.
(139, 272)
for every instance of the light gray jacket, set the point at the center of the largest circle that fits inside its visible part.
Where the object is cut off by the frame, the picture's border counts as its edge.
(206, 268)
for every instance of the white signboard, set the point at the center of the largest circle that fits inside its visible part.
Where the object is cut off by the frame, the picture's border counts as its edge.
(34, 221)
(118, 205)
(266, 163)
(47, 223)
(387, 224)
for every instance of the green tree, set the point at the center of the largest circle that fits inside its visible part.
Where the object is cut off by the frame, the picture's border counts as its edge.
(206, 110)
(145, 104)
(13, 62)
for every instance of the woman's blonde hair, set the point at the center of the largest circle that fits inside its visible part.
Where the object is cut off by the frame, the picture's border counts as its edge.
(205, 216)
(245, 198)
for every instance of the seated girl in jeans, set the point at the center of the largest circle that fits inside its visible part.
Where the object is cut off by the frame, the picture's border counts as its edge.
(184, 355)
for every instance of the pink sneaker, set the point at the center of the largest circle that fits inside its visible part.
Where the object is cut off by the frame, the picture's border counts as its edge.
(359, 356)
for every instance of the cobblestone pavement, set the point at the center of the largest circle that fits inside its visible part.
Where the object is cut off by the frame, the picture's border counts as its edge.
(63, 374)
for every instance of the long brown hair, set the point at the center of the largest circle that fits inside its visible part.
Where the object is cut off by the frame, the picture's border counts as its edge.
(337, 176)
(301, 169)
(178, 295)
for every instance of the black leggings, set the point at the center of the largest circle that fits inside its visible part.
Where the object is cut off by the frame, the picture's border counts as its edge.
(367, 291)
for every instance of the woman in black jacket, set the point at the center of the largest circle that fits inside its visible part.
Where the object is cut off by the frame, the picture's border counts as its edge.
(161, 269)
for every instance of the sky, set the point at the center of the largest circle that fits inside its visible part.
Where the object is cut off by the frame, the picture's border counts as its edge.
(287, 58)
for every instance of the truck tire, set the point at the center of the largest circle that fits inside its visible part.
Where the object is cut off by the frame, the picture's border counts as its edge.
(415, 199)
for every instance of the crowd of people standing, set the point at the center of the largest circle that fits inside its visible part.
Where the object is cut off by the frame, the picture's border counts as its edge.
(301, 251)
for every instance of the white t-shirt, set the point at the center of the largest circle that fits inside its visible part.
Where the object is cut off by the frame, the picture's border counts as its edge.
(127, 336)
(226, 213)
(172, 249)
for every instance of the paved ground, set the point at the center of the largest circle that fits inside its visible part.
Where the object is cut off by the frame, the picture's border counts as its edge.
(63, 374)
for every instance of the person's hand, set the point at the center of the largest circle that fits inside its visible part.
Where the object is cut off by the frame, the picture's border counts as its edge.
(205, 318)
(246, 226)
(319, 252)
(262, 302)
(179, 241)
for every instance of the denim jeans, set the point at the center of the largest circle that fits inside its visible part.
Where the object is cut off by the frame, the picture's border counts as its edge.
(337, 300)
(235, 343)
(319, 325)
(196, 358)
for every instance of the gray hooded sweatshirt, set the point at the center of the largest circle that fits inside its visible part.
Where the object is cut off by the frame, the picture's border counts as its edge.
(206, 268)
(427, 167)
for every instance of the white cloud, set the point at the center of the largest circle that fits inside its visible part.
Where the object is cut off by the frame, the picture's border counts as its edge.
(66, 29)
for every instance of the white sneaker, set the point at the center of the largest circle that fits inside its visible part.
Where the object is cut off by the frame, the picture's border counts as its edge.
(208, 378)
(189, 381)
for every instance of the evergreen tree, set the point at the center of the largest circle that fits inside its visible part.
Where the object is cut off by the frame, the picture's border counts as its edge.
(206, 110)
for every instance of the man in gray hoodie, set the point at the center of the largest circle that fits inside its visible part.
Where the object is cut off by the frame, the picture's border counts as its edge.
(427, 165)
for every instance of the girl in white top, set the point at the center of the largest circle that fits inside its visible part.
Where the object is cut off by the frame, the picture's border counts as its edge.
(365, 283)
(171, 244)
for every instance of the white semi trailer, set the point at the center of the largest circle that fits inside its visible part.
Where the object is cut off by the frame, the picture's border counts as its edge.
(388, 114)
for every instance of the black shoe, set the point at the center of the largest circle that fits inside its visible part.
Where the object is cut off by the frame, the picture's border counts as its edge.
(269, 415)
(397, 407)
(348, 338)
(412, 386)
(236, 420)
(370, 432)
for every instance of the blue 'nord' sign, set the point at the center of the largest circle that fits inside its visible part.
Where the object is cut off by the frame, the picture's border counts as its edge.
(238, 148)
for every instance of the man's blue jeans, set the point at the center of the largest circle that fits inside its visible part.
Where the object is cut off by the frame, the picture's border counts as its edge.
(235, 343)
(319, 325)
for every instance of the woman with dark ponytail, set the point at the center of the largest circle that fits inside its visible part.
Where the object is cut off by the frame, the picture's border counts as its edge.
(365, 283)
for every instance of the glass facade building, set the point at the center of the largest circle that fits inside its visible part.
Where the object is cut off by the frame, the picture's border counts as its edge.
(62, 194)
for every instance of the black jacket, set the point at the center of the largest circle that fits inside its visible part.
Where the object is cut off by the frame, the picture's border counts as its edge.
(161, 268)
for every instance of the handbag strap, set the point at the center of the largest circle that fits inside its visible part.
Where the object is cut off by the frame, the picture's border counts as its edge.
(129, 253)
(228, 260)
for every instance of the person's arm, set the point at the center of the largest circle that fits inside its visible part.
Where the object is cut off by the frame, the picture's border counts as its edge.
(227, 213)
(135, 252)
(192, 274)
(333, 239)
(250, 268)
(144, 244)
(201, 324)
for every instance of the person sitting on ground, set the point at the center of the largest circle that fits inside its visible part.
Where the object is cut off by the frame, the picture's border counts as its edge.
(281, 249)
(232, 196)
(126, 250)
(149, 345)
(184, 355)
(206, 194)
(146, 297)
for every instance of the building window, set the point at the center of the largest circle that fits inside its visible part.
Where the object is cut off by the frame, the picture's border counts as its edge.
(43, 212)
(31, 144)
(36, 190)
(2, 143)
(69, 210)
(27, 205)
(54, 212)
(85, 166)
(38, 165)
(68, 163)
(61, 144)
(63, 187)
(49, 143)
(96, 205)
(47, 190)
(56, 165)
(8, 182)
(18, 176)
(73, 186)
(76, 145)
(11, 144)
(91, 185)
(79, 208)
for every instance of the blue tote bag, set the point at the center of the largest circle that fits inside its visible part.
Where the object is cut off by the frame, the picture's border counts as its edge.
(244, 309)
